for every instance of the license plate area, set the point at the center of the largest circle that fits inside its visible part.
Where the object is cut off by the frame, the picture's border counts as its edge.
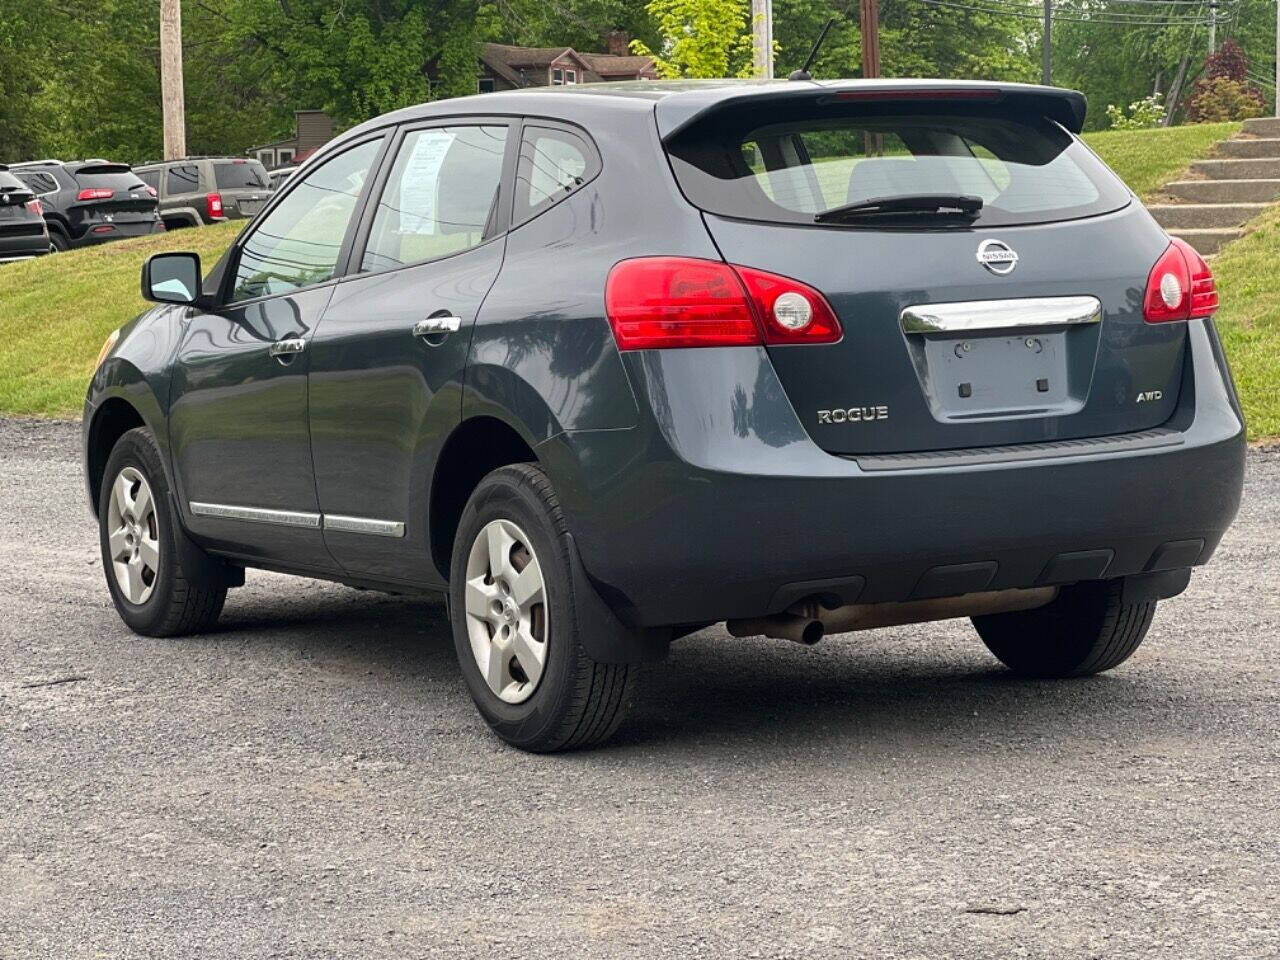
(998, 375)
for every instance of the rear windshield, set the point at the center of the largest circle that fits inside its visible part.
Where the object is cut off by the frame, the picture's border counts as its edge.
(1026, 170)
(240, 174)
(117, 178)
(11, 184)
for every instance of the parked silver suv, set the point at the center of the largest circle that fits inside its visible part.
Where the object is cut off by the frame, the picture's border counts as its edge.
(199, 190)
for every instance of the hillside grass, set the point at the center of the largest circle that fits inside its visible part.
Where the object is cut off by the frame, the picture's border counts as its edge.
(1248, 276)
(1148, 159)
(56, 312)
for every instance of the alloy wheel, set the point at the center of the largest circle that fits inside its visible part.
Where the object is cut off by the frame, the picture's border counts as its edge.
(506, 611)
(133, 536)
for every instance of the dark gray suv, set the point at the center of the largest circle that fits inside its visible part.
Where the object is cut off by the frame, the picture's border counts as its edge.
(203, 190)
(610, 364)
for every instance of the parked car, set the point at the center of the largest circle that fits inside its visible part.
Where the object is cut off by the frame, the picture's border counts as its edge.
(280, 174)
(22, 231)
(609, 365)
(90, 201)
(202, 190)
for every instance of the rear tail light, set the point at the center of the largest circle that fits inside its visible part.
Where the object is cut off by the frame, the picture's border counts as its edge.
(103, 228)
(1180, 286)
(36, 207)
(214, 202)
(662, 302)
(152, 190)
(95, 193)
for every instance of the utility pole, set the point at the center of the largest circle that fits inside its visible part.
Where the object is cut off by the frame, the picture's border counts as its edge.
(762, 37)
(175, 121)
(1213, 26)
(1046, 68)
(869, 22)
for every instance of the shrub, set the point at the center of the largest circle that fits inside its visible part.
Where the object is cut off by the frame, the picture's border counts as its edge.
(1223, 91)
(1222, 98)
(1143, 114)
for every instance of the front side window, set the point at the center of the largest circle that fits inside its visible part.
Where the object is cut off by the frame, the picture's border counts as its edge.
(553, 163)
(182, 179)
(298, 243)
(440, 197)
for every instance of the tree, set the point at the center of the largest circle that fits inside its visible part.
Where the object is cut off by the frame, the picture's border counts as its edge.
(700, 38)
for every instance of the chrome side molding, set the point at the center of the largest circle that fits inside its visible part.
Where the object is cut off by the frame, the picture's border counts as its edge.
(375, 528)
(285, 518)
(297, 518)
(975, 316)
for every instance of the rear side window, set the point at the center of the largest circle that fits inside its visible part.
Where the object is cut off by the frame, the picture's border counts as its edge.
(40, 183)
(182, 179)
(239, 175)
(440, 198)
(553, 163)
(1025, 170)
(150, 177)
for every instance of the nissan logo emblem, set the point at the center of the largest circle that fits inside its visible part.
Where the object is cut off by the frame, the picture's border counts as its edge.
(997, 256)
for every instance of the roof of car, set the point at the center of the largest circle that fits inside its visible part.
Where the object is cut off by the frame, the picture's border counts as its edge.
(679, 103)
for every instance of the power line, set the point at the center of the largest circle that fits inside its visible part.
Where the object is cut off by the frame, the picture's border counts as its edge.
(1025, 12)
(1018, 8)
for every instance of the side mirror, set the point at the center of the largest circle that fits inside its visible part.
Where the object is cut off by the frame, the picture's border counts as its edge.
(171, 278)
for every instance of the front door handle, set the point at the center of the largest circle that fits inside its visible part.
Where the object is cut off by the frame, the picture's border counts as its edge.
(285, 350)
(436, 325)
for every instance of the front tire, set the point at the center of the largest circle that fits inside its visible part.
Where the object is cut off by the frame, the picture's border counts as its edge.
(515, 620)
(1089, 628)
(161, 583)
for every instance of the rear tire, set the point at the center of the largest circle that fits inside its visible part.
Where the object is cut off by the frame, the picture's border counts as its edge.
(57, 242)
(1086, 630)
(162, 584)
(520, 649)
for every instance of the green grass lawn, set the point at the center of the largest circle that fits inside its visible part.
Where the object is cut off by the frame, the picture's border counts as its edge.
(55, 312)
(1248, 275)
(1147, 159)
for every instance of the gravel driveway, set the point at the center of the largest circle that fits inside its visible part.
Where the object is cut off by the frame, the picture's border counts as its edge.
(312, 780)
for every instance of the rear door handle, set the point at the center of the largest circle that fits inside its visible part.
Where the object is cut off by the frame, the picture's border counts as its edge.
(437, 325)
(285, 349)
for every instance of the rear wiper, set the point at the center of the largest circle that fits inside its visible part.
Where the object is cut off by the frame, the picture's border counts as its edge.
(946, 204)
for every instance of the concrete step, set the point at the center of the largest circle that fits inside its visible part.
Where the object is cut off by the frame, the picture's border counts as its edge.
(1208, 242)
(1250, 147)
(1204, 216)
(1263, 126)
(1224, 191)
(1253, 168)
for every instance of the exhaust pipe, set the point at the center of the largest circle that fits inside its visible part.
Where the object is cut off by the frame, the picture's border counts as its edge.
(808, 622)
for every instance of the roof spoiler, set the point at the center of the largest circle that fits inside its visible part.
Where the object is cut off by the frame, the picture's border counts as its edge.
(678, 112)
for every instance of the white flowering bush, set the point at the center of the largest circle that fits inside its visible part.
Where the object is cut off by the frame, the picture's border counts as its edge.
(1143, 114)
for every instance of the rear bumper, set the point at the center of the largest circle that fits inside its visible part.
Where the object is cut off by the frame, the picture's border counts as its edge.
(118, 231)
(23, 247)
(721, 506)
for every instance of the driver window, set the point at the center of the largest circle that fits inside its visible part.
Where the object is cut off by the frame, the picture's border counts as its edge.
(297, 244)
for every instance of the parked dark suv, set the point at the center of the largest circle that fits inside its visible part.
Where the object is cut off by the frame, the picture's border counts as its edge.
(203, 190)
(90, 201)
(22, 231)
(611, 364)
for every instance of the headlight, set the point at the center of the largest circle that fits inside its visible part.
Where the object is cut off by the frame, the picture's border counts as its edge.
(106, 347)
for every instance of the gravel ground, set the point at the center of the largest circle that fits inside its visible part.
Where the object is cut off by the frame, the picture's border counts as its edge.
(312, 780)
